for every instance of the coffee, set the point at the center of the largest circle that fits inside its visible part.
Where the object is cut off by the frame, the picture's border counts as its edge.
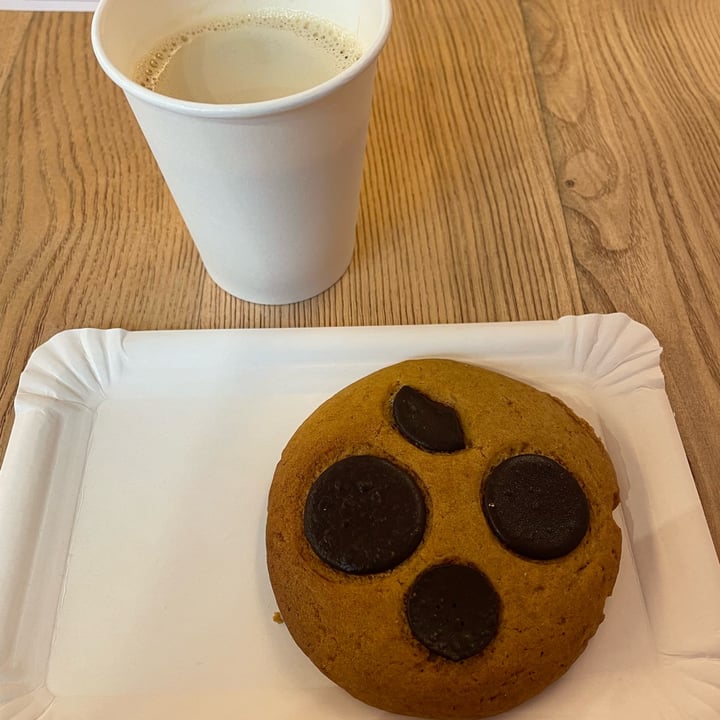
(248, 58)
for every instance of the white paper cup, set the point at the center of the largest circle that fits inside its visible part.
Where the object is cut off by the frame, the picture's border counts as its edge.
(268, 190)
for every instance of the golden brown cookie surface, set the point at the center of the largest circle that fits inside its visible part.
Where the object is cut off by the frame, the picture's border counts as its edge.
(359, 624)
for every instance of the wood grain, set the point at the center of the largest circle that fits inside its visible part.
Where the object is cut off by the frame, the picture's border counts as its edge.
(15, 26)
(631, 101)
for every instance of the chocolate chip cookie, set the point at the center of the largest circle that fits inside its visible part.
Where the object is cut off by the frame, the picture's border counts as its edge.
(440, 539)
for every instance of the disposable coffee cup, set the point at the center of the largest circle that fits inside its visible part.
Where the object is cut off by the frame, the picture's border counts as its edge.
(269, 189)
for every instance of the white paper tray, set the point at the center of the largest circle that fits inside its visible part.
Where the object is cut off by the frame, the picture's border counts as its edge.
(132, 504)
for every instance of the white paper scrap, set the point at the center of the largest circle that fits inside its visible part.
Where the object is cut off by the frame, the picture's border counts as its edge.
(57, 5)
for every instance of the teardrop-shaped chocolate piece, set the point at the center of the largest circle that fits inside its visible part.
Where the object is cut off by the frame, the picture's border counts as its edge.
(427, 423)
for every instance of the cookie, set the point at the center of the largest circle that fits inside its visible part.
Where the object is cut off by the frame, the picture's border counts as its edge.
(440, 539)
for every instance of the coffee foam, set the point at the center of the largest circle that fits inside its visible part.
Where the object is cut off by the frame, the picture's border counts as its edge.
(339, 45)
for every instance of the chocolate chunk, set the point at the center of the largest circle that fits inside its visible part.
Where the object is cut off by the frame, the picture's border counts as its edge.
(364, 515)
(453, 610)
(427, 423)
(535, 507)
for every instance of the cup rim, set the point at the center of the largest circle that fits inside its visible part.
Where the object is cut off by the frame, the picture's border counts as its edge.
(261, 108)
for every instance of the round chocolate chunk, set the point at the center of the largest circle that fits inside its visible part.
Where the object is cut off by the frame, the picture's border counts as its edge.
(535, 507)
(453, 610)
(364, 515)
(427, 423)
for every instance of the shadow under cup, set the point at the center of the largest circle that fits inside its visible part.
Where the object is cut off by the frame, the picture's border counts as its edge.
(268, 190)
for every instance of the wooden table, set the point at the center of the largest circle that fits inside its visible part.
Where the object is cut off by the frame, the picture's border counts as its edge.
(527, 159)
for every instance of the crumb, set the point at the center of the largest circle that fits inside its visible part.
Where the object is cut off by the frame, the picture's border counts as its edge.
(277, 618)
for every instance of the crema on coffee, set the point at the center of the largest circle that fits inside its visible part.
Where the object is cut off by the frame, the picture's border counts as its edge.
(248, 58)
